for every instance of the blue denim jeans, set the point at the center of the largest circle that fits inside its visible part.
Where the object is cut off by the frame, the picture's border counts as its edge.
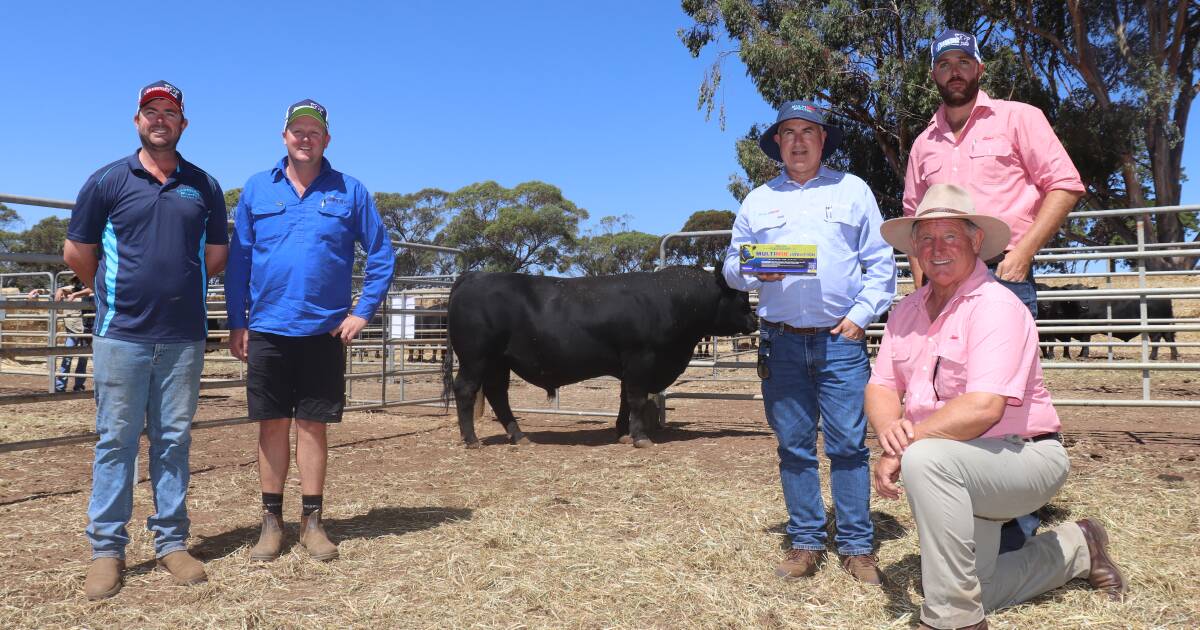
(1026, 290)
(820, 379)
(64, 367)
(142, 386)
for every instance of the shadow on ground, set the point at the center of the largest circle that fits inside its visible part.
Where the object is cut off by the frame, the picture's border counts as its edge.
(386, 521)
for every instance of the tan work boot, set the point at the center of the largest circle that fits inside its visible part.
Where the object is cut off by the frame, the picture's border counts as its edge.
(799, 563)
(270, 540)
(104, 578)
(863, 568)
(312, 536)
(183, 567)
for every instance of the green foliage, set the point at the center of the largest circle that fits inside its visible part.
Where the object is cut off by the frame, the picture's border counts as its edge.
(45, 237)
(1119, 101)
(8, 220)
(530, 227)
(615, 249)
(703, 251)
(416, 218)
(231, 200)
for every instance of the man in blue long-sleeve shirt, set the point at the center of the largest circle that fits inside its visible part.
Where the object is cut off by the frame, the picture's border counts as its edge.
(287, 288)
(813, 358)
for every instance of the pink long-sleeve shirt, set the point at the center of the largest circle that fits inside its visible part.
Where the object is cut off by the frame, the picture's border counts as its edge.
(1007, 156)
(984, 340)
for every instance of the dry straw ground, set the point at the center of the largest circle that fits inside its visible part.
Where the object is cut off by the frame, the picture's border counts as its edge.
(573, 532)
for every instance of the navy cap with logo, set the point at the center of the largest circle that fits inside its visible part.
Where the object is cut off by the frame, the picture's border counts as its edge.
(160, 89)
(804, 110)
(951, 39)
(310, 108)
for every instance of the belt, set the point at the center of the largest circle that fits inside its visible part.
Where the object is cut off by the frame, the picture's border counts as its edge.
(792, 329)
(996, 260)
(1056, 436)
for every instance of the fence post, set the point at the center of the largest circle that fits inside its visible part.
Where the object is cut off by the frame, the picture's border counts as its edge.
(1141, 247)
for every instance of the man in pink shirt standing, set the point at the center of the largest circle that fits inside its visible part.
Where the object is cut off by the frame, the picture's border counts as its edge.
(957, 400)
(1004, 152)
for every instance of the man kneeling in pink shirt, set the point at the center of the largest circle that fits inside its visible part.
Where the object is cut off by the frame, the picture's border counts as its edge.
(957, 400)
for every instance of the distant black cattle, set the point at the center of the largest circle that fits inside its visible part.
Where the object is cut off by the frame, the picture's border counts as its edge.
(1156, 308)
(638, 327)
(1051, 310)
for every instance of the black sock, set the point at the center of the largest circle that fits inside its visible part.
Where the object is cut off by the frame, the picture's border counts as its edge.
(273, 503)
(310, 503)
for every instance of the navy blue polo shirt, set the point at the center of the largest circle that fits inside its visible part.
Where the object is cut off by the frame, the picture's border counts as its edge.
(151, 283)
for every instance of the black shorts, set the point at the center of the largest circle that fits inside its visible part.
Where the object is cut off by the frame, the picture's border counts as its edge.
(296, 377)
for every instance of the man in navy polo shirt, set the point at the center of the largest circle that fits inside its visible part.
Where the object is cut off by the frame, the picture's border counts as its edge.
(290, 317)
(146, 233)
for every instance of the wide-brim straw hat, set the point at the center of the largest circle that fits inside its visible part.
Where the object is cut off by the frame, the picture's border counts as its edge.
(947, 201)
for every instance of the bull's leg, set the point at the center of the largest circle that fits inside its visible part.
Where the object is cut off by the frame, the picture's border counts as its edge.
(495, 387)
(637, 409)
(1084, 351)
(1174, 350)
(623, 420)
(467, 387)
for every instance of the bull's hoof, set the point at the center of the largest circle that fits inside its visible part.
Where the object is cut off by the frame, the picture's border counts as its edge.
(474, 445)
(625, 439)
(521, 439)
(643, 443)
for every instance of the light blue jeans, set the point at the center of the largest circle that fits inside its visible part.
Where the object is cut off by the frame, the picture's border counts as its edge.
(152, 387)
(818, 381)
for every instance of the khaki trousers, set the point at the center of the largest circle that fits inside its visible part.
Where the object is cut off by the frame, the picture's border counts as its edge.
(961, 493)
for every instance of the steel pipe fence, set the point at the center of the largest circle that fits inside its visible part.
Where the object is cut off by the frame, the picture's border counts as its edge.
(1137, 253)
(382, 363)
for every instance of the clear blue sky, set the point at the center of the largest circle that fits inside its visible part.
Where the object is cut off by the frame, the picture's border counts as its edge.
(598, 98)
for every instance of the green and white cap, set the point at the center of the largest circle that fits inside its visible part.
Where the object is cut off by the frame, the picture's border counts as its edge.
(307, 107)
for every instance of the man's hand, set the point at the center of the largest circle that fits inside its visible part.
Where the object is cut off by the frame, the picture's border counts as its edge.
(1014, 267)
(349, 328)
(849, 330)
(770, 277)
(33, 294)
(887, 473)
(238, 343)
(896, 437)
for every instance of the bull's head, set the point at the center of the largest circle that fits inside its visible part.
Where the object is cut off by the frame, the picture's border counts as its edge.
(734, 315)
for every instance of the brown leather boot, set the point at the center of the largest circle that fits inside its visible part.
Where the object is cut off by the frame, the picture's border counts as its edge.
(799, 563)
(1104, 575)
(270, 539)
(104, 578)
(312, 536)
(863, 568)
(183, 567)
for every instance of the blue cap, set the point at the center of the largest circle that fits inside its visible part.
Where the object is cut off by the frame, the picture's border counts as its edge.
(951, 39)
(804, 110)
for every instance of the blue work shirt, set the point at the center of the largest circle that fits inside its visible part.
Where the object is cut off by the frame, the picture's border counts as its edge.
(292, 257)
(856, 274)
(151, 282)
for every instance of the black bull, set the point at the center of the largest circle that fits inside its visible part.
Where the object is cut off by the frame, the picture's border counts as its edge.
(639, 327)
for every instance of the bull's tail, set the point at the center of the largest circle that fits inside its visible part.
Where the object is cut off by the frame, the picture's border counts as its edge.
(447, 372)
